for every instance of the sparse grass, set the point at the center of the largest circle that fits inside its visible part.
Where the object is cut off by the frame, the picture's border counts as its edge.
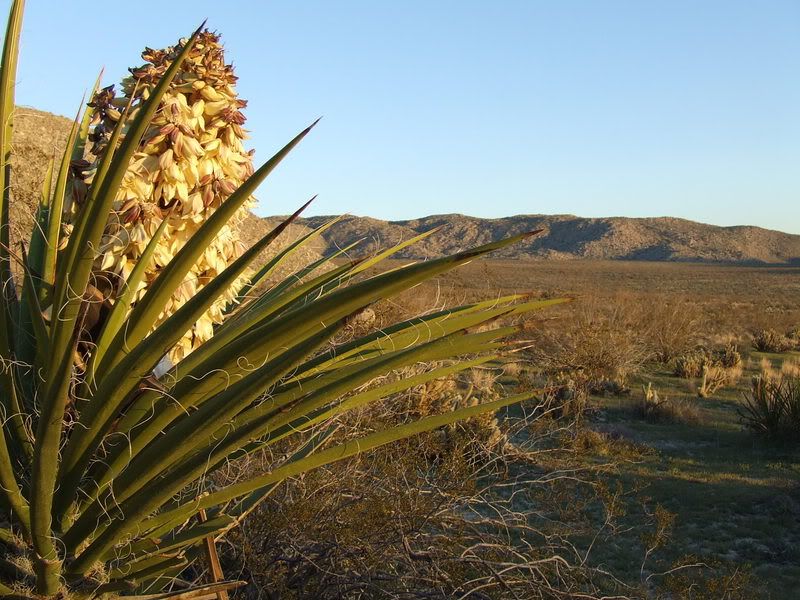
(735, 497)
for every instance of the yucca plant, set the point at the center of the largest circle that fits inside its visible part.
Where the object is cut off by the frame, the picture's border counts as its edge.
(772, 408)
(106, 462)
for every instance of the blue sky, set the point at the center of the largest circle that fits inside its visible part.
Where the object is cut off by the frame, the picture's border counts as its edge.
(685, 108)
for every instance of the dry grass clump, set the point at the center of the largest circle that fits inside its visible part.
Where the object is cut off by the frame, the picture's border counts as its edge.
(613, 442)
(655, 408)
(772, 407)
(790, 367)
(513, 369)
(767, 370)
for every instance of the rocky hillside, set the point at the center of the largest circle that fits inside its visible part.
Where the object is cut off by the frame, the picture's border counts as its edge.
(38, 135)
(570, 237)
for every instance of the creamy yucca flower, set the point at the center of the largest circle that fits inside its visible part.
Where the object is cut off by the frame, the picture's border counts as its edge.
(189, 161)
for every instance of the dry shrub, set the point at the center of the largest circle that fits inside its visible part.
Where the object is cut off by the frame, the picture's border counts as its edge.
(672, 328)
(657, 409)
(596, 351)
(704, 578)
(716, 377)
(419, 519)
(728, 357)
(769, 340)
(692, 364)
(716, 368)
(476, 436)
(427, 297)
(569, 392)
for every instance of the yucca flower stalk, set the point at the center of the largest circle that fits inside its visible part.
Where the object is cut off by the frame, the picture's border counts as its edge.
(105, 463)
(189, 160)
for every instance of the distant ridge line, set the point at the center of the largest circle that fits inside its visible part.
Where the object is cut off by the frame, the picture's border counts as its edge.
(567, 237)
(38, 135)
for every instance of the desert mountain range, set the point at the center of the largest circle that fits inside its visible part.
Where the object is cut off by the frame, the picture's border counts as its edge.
(39, 134)
(571, 237)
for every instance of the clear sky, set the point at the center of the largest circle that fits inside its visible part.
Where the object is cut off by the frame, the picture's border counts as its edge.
(685, 108)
